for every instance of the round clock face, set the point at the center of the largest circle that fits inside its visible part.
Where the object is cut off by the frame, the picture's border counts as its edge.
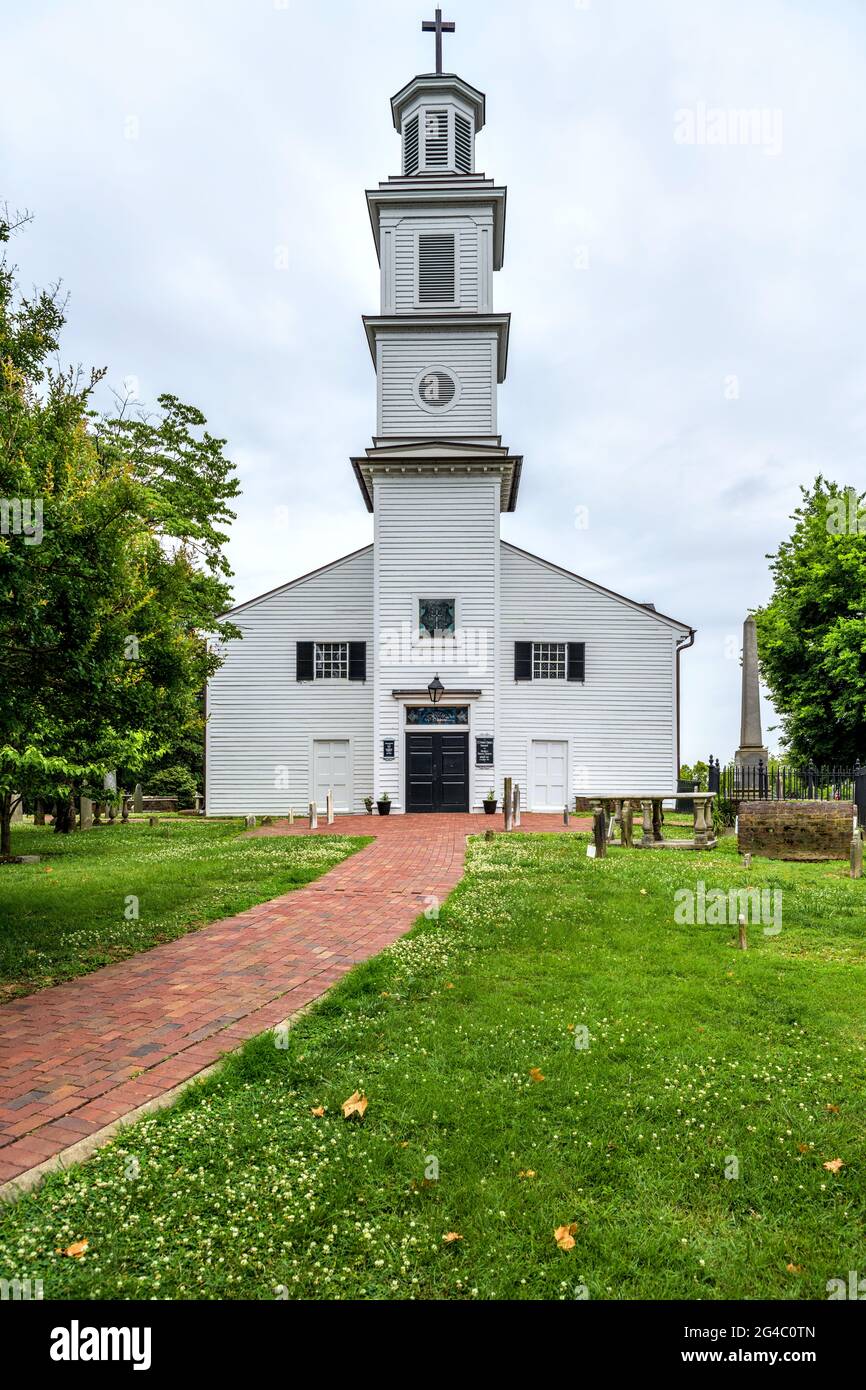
(436, 388)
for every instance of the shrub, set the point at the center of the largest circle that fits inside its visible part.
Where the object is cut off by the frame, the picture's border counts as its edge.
(174, 781)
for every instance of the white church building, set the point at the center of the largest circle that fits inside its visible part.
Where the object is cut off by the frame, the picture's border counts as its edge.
(439, 659)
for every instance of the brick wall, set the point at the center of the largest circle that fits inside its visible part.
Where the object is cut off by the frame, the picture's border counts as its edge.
(796, 829)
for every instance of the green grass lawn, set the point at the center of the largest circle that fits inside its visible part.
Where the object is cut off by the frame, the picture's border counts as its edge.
(71, 913)
(698, 1055)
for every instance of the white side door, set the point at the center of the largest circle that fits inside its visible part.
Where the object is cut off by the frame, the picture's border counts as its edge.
(549, 774)
(332, 771)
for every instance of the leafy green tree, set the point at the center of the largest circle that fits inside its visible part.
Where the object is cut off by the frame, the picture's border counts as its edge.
(111, 566)
(812, 633)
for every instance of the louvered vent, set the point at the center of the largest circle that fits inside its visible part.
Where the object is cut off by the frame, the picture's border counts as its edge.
(436, 139)
(463, 143)
(436, 257)
(410, 146)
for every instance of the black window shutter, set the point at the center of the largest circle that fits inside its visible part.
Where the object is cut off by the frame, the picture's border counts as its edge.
(305, 660)
(577, 661)
(357, 661)
(523, 661)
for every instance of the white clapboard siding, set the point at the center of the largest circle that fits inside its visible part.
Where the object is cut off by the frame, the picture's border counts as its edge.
(435, 538)
(621, 724)
(262, 722)
(464, 231)
(473, 231)
(470, 356)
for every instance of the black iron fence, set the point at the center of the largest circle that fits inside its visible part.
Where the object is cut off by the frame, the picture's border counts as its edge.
(786, 782)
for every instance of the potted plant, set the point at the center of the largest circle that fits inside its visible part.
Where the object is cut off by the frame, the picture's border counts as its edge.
(490, 803)
(368, 802)
(383, 805)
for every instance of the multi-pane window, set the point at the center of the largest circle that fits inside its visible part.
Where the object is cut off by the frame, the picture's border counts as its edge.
(437, 617)
(332, 661)
(548, 661)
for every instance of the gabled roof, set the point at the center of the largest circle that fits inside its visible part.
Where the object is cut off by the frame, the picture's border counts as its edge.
(302, 578)
(647, 609)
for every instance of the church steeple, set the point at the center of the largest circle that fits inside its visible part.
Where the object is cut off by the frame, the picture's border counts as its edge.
(439, 348)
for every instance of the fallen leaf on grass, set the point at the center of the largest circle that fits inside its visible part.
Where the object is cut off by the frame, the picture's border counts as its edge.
(834, 1108)
(794, 1269)
(355, 1105)
(526, 1173)
(803, 1148)
(318, 1110)
(564, 1236)
(77, 1250)
(449, 986)
(536, 1074)
(451, 1236)
(834, 1165)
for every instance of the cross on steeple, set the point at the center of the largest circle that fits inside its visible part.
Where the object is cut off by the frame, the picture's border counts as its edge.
(438, 26)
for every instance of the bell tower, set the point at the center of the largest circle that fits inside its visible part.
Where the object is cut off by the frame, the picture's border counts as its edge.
(439, 348)
(436, 475)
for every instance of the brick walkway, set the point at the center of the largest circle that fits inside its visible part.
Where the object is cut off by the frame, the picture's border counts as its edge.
(76, 1058)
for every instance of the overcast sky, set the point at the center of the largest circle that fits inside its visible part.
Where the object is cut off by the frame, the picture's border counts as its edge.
(687, 335)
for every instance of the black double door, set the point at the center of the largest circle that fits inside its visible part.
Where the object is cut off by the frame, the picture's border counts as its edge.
(437, 772)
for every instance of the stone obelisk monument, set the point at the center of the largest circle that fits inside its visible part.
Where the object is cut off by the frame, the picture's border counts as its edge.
(751, 750)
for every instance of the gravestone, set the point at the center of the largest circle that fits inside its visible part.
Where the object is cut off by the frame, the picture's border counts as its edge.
(85, 813)
(138, 799)
(18, 812)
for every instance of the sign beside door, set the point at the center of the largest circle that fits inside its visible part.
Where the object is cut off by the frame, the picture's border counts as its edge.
(484, 752)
